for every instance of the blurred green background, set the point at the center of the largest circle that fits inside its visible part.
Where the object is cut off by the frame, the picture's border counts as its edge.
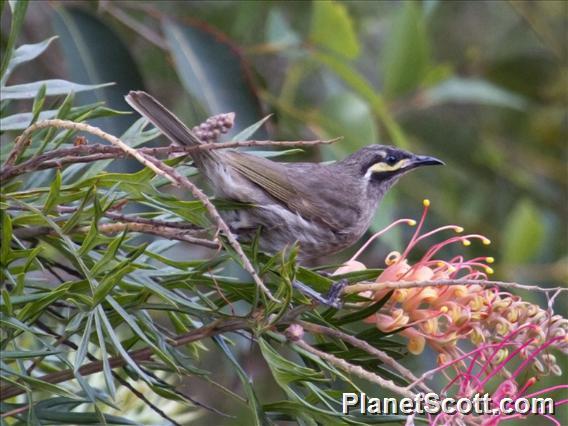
(481, 85)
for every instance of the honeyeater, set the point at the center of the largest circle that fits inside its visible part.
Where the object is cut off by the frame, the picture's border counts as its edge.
(322, 207)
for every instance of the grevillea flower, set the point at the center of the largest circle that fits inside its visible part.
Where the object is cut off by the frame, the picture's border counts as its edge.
(441, 316)
(472, 374)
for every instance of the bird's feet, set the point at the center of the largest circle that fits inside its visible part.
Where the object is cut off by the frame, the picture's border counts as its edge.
(333, 295)
(331, 299)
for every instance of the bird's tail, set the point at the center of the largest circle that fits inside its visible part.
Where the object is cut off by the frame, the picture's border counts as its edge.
(162, 118)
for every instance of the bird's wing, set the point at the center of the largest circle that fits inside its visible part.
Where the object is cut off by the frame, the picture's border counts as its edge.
(275, 179)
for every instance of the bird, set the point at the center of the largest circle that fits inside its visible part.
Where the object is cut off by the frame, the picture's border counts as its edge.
(322, 207)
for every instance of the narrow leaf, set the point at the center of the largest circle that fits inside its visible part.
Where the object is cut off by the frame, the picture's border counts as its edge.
(471, 90)
(333, 28)
(18, 15)
(406, 55)
(26, 53)
(523, 233)
(53, 87)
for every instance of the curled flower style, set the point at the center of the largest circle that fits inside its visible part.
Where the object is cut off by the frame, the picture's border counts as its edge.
(471, 374)
(442, 316)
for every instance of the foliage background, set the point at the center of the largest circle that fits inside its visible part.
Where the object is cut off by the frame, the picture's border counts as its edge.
(482, 85)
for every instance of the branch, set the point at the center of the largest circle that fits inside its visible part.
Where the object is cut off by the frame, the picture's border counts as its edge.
(355, 369)
(135, 225)
(358, 288)
(361, 344)
(170, 233)
(157, 167)
(23, 141)
(155, 222)
(218, 327)
(97, 152)
(129, 218)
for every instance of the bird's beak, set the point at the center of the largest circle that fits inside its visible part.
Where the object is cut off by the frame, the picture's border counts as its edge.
(425, 160)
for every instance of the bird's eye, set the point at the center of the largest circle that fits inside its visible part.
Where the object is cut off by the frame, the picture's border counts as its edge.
(391, 160)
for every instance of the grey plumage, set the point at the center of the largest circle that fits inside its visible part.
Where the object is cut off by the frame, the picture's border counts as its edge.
(323, 207)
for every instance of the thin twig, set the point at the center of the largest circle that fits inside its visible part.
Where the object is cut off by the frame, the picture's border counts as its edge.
(161, 231)
(154, 222)
(170, 233)
(97, 152)
(23, 141)
(183, 395)
(361, 344)
(16, 411)
(111, 214)
(217, 327)
(355, 369)
(159, 168)
(358, 288)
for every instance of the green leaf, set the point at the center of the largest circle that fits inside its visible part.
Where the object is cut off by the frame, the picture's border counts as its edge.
(6, 250)
(7, 303)
(22, 300)
(362, 313)
(250, 130)
(406, 55)
(84, 344)
(69, 245)
(107, 370)
(523, 233)
(66, 106)
(18, 325)
(72, 418)
(109, 254)
(313, 279)
(472, 90)
(36, 308)
(203, 61)
(22, 120)
(53, 196)
(358, 276)
(332, 28)
(76, 216)
(118, 345)
(247, 383)
(39, 385)
(136, 328)
(25, 53)
(18, 15)
(8, 355)
(286, 371)
(111, 280)
(38, 103)
(91, 239)
(53, 87)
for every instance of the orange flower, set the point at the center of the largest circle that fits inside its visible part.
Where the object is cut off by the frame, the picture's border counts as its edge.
(441, 316)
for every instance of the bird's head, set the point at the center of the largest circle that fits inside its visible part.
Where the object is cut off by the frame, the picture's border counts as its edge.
(383, 165)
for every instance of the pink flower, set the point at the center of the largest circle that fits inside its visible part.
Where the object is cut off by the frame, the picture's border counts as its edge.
(473, 372)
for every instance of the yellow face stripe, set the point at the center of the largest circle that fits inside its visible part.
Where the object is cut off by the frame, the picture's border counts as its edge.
(384, 167)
